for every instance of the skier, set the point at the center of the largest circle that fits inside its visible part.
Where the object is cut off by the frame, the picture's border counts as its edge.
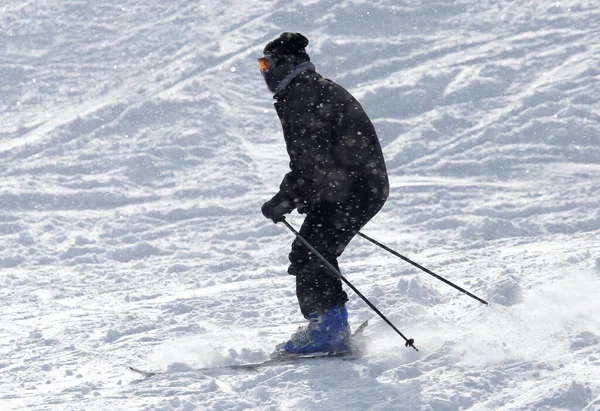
(338, 178)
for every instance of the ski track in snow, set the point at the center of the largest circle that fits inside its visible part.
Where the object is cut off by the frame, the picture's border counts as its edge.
(138, 141)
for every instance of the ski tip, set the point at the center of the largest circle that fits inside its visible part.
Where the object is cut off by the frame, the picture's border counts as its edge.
(145, 373)
(361, 328)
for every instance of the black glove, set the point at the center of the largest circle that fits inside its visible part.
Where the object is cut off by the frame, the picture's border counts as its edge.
(276, 207)
(303, 208)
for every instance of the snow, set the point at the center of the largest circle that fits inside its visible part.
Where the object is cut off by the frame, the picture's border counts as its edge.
(138, 142)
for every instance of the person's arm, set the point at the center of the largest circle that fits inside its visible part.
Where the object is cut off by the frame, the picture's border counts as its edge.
(309, 148)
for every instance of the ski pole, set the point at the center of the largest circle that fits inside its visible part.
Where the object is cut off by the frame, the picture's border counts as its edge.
(409, 342)
(422, 268)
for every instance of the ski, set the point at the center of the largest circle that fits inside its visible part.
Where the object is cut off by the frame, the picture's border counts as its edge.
(255, 366)
(357, 349)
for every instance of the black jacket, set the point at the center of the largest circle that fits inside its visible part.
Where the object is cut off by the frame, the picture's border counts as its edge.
(334, 151)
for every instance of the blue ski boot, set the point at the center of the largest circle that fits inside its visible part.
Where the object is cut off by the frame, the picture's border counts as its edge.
(344, 315)
(325, 333)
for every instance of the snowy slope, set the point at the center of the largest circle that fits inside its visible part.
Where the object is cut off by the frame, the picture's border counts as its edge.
(138, 141)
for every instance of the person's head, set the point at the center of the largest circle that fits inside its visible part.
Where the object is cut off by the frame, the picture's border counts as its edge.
(281, 55)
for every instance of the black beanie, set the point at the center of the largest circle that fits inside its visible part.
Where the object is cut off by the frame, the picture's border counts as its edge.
(288, 44)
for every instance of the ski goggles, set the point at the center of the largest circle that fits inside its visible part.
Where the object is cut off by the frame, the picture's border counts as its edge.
(266, 64)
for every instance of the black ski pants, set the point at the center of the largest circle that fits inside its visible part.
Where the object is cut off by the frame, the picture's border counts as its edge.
(328, 227)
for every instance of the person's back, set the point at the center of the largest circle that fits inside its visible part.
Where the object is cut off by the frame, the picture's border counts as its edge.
(339, 140)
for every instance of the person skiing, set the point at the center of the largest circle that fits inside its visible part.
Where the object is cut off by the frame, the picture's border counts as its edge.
(337, 177)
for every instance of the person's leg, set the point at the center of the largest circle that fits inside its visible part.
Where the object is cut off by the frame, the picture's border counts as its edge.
(328, 227)
(317, 288)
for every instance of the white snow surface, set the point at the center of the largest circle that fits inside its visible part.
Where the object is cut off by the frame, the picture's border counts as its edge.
(138, 142)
